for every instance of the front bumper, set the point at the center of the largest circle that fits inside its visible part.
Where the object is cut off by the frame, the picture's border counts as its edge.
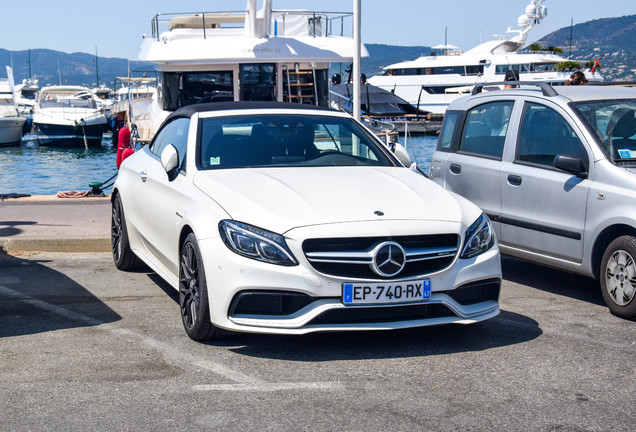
(316, 303)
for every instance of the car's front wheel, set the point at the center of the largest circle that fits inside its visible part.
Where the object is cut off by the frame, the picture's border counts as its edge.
(618, 277)
(193, 292)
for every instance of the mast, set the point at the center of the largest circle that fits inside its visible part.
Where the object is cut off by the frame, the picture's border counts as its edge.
(356, 59)
(29, 63)
(96, 68)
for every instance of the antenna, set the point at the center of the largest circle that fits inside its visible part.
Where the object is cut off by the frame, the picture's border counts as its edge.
(29, 63)
(96, 68)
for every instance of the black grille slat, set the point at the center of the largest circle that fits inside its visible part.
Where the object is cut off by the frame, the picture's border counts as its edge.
(476, 292)
(360, 315)
(364, 271)
(363, 243)
(268, 303)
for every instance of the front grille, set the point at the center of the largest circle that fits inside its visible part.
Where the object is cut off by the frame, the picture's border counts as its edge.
(359, 315)
(277, 303)
(353, 257)
(476, 292)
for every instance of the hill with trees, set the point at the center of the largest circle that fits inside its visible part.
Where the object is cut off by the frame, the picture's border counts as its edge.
(612, 38)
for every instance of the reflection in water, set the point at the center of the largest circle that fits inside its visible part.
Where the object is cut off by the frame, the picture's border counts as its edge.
(35, 170)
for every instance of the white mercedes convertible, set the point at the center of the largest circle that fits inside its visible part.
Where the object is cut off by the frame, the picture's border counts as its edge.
(279, 218)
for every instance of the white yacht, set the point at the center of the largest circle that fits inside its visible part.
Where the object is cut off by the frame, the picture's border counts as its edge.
(248, 55)
(26, 95)
(103, 97)
(68, 116)
(432, 82)
(11, 124)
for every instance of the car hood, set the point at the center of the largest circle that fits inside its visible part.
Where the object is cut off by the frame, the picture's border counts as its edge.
(280, 199)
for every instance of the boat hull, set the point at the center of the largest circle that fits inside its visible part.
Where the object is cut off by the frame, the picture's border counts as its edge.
(11, 131)
(55, 135)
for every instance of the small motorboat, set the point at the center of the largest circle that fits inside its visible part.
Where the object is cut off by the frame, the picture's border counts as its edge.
(65, 116)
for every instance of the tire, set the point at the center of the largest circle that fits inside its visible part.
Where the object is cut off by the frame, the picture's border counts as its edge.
(124, 257)
(618, 277)
(193, 293)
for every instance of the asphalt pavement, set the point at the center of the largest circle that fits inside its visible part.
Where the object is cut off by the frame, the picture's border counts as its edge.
(87, 347)
(84, 346)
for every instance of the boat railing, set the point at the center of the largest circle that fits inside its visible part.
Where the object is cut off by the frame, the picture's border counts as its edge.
(316, 19)
(340, 102)
(318, 23)
(386, 131)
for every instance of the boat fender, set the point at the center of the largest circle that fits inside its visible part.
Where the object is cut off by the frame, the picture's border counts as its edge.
(123, 143)
(127, 152)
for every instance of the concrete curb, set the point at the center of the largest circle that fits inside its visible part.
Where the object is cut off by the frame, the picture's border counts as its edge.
(50, 224)
(56, 245)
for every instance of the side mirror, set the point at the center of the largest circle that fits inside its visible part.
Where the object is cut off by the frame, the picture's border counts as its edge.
(402, 155)
(571, 164)
(169, 158)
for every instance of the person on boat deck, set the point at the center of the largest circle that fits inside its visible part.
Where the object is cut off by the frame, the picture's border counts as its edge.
(577, 78)
(511, 75)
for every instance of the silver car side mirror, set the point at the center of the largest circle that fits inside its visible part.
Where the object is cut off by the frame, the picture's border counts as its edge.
(169, 158)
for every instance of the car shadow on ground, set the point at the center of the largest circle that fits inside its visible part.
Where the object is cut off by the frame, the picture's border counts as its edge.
(35, 298)
(506, 329)
(11, 228)
(552, 280)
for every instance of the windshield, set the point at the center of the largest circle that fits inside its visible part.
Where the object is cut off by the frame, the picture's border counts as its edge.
(286, 140)
(613, 123)
(67, 102)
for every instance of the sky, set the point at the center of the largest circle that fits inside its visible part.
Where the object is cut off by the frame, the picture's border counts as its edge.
(114, 28)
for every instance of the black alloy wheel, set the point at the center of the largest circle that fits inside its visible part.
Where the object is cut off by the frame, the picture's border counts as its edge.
(193, 293)
(123, 256)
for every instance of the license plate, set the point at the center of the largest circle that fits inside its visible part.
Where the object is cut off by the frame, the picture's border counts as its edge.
(383, 293)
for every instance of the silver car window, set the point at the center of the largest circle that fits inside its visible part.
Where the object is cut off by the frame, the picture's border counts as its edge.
(485, 129)
(544, 134)
(613, 124)
(445, 140)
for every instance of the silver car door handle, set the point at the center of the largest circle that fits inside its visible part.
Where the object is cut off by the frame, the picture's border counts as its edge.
(455, 168)
(143, 175)
(514, 180)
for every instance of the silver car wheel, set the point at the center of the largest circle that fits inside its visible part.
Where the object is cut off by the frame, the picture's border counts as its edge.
(621, 277)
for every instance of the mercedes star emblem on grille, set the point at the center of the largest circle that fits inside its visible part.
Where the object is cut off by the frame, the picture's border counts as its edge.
(388, 259)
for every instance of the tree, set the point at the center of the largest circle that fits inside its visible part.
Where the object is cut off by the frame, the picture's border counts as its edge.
(567, 66)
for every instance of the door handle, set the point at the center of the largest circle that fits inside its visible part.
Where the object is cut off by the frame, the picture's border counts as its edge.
(514, 180)
(144, 175)
(455, 168)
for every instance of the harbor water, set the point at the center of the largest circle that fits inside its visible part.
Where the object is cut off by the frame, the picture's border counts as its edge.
(34, 170)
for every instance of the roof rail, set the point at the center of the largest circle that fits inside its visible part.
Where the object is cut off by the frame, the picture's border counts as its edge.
(545, 87)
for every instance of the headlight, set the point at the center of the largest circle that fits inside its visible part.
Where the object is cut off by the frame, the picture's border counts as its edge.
(256, 243)
(479, 237)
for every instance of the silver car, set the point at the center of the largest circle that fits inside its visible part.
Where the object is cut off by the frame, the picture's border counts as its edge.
(555, 170)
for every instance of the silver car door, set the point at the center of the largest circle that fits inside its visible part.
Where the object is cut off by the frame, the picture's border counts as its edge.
(474, 169)
(544, 208)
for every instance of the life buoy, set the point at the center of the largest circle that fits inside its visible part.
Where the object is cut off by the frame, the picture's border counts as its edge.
(123, 143)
